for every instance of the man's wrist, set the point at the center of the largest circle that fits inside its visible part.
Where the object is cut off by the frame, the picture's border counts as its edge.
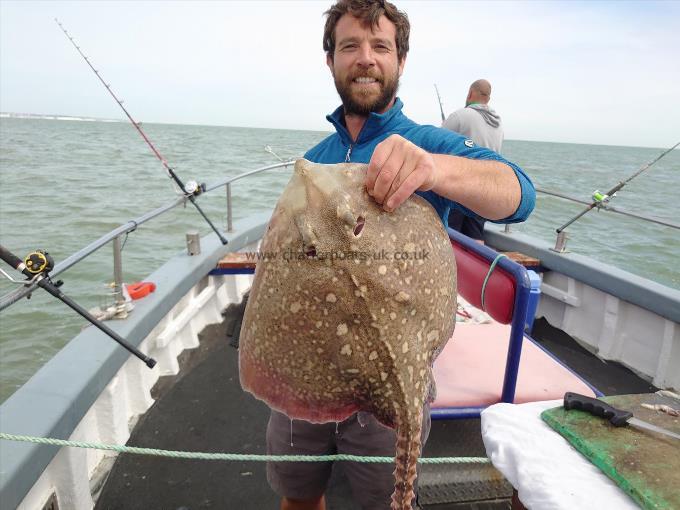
(447, 175)
(490, 188)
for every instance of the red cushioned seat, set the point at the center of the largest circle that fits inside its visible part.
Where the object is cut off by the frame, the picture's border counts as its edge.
(483, 364)
(500, 289)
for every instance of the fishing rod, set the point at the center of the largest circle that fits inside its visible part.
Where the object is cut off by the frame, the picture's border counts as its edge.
(611, 208)
(192, 189)
(601, 199)
(441, 108)
(36, 267)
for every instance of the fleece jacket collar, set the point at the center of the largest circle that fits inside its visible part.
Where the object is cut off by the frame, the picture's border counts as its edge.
(376, 123)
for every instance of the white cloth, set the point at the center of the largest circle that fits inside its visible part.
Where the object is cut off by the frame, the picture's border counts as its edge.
(546, 470)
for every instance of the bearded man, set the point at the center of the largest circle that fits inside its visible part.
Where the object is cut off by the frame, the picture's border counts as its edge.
(366, 42)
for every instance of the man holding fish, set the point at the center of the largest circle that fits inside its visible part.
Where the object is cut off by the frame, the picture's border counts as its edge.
(366, 44)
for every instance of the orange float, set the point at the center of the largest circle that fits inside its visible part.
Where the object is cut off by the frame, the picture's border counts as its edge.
(139, 290)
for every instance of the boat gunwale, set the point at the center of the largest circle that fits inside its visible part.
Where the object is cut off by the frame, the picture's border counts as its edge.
(63, 390)
(638, 290)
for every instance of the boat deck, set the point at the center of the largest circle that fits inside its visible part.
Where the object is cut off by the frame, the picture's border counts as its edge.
(204, 409)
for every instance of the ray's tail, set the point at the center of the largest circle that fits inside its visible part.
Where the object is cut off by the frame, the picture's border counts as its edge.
(408, 451)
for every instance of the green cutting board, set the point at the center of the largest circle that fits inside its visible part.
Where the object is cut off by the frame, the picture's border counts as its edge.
(644, 464)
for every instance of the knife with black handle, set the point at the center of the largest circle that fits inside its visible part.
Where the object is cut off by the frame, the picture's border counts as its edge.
(617, 417)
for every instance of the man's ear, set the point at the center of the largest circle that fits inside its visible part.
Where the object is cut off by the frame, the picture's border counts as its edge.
(402, 63)
(329, 62)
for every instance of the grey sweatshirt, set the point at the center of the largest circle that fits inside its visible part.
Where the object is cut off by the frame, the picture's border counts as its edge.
(479, 123)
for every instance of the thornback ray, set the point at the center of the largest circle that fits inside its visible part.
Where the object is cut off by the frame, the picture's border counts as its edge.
(350, 309)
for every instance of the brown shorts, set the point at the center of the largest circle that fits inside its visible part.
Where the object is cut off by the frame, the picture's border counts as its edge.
(372, 483)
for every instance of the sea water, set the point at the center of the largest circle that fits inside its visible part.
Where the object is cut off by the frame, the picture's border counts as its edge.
(66, 183)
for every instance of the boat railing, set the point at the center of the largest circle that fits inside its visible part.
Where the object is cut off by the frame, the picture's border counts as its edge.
(561, 240)
(228, 182)
(115, 236)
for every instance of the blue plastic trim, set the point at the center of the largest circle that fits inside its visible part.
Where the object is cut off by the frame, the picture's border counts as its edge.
(522, 291)
(534, 297)
(231, 270)
(456, 413)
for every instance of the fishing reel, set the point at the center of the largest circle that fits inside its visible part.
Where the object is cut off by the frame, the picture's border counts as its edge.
(601, 199)
(35, 266)
(38, 262)
(194, 188)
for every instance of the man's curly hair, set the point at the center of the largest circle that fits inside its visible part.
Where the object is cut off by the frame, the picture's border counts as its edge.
(369, 12)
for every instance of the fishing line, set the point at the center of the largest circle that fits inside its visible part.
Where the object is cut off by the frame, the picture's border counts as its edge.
(192, 189)
(601, 199)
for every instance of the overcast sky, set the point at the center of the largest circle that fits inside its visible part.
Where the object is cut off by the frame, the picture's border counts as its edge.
(592, 72)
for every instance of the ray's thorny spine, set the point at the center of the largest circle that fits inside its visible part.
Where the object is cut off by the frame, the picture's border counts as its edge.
(44, 282)
(168, 169)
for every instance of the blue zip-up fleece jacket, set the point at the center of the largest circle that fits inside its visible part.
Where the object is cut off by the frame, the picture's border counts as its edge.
(339, 147)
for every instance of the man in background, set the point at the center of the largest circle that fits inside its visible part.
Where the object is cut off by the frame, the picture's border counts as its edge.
(480, 123)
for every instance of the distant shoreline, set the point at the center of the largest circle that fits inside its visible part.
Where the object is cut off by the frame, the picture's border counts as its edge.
(12, 115)
(40, 116)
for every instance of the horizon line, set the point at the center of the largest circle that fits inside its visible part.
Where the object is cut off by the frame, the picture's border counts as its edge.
(81, 118)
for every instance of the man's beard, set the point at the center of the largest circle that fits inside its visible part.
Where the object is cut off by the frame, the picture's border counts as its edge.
(363, 105)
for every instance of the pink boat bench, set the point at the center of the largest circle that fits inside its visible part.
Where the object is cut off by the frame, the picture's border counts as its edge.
(484, 364)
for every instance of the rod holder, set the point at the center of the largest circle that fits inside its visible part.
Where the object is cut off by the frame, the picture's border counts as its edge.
(193, 242)
(230, 226)
(561, 243)
(118, 297)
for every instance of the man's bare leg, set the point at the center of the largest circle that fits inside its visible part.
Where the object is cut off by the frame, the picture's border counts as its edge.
(303, 504)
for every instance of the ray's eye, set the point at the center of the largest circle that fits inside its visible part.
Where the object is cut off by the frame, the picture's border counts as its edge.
(359, 226)
(310, 251)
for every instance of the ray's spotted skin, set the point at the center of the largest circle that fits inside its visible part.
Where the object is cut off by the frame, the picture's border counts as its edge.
(350, 308)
